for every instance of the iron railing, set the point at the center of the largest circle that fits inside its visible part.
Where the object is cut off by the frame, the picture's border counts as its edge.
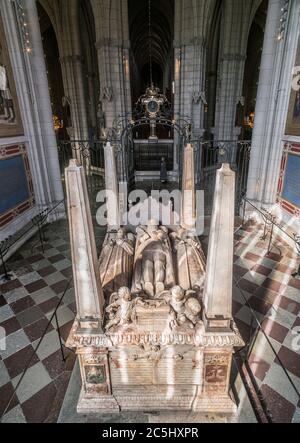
(90, 154)
(209, 157)
(257, 333)
(38, 221)
(33, 354)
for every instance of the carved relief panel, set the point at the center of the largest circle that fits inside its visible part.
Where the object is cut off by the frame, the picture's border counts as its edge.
(95, 372)
(216, 372)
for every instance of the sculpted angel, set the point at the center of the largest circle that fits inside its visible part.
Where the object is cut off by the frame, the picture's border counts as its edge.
(121, 308)
(185, 309)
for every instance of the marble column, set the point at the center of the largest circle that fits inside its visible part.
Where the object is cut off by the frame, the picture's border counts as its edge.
(73, 80)
(231, 75)
(237, 16)
(65, 18)
(219, 270)
(112, 187)
(42, 103)
(274, 89)
(112, 34)
(192, 23)
(188, 209)
(88, 290)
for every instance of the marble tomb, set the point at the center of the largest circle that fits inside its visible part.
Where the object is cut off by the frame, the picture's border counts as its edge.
(154, 327)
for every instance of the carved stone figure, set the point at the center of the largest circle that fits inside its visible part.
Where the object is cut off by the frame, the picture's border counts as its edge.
(153, 267)
(101, 120)
(199, 96)
(190, 260)
(120, 309)
(107, 93)
(116, 261)
(66, 104)
(185, 309)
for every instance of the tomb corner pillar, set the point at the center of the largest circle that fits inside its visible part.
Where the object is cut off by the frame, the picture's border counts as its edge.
(112, 187)
(188, 210)
(88, 290)
(218, 285)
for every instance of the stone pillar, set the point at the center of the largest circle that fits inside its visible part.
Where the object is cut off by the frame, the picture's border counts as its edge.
(219, 271)
(43, 109)
(72, 73)
(278, 59)
(64, 16)
(112, 187)
(190, 96)
(237, 16)
(112, 34)
(231, 75)
(192, 23)
(188, 210)
(88, 290)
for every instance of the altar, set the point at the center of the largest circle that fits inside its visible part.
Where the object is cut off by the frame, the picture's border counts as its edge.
(154, 327)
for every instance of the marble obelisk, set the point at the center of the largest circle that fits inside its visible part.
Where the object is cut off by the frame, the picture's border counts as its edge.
(88, 290)
(188, 206)
(219, 270)
(112, 188)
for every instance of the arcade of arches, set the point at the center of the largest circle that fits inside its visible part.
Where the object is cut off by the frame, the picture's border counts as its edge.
(79, 77)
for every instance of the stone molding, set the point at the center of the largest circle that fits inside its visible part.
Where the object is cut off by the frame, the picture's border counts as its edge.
(111, 340)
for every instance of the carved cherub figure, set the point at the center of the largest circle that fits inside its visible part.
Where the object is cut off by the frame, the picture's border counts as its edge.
(120, 309)
(185, 309)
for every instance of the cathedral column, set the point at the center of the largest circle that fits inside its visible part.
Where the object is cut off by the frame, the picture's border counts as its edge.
(44, 126)
(72, 72)
(237, 16)
(192, 22)
(112, 34)
(273, 96)
(111, 187)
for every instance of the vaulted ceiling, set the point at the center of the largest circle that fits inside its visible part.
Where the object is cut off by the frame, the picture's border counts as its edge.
(162, 30)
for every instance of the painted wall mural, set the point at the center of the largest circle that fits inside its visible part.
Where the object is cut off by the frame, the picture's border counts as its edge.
(17, 194)
(10, 118)
(289, 181)
(293, 120)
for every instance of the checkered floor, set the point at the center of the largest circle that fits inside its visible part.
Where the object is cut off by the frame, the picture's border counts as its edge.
(27, 304)
(274, 297)
(28, 301)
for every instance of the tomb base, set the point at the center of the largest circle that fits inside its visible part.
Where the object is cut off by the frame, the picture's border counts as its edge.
(139, 370)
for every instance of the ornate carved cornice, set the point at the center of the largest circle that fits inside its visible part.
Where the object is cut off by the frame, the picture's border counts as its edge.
(111, 340)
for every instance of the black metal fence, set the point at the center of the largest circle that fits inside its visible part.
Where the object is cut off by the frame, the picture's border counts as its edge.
(90, 154)
(209, 157)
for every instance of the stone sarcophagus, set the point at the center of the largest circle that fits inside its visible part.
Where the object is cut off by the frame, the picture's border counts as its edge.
(148, 333)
